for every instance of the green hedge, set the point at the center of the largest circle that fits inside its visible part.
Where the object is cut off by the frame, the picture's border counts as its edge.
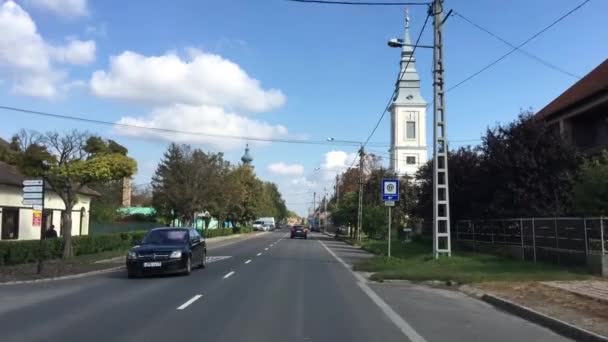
(19, 252)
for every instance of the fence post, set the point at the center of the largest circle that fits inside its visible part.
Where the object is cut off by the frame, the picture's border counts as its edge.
(556, 239)
(521, 234)
(586, 240)
(472, 224)
(534, 237)
(602, 235)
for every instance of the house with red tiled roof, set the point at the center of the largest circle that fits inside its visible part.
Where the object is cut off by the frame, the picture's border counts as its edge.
(581, 112)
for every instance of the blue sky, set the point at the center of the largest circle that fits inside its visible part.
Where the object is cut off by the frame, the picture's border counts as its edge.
(274, 69)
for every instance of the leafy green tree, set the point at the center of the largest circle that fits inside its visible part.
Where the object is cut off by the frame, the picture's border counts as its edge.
(591, 188)
(68, 164)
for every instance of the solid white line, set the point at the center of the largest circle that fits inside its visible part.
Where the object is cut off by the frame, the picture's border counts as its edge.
(388, 311)
(229, 274)
(190, 301)
(248, 261)
(259, 254)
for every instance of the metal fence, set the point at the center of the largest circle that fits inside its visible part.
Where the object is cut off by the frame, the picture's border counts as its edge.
(562, 240)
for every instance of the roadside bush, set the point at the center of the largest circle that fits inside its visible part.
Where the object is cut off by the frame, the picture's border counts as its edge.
(19, 252)
(211, 233)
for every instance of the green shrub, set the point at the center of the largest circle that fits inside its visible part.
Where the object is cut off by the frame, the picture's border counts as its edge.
(19, 252)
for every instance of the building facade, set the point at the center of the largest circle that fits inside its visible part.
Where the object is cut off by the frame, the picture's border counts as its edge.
(408, 115)
(581, 112)
(20, 222)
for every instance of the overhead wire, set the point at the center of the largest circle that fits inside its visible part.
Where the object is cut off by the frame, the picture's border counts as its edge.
(524, 52)
(359, 3)
(496, 61)
(176, 131)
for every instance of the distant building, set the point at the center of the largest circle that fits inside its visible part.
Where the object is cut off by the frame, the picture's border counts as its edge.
(246, 158)
(17, 220)
(408, 115)
(581, 112)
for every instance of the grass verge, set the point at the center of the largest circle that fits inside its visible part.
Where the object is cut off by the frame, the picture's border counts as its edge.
(414, 261)
(60, 267)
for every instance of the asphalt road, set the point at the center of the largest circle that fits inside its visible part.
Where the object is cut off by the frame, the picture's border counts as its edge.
(269, 288)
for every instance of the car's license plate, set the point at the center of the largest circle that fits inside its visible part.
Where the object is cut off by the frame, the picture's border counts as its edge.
(152, 264)
(298, 231)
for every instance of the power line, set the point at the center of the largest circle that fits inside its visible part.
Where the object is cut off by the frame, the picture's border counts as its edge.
(524, 52)
(175, 131)
(401, 74)
(358, 3)
(517, 47)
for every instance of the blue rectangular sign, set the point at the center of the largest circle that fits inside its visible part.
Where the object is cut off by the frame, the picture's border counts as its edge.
(390, 190)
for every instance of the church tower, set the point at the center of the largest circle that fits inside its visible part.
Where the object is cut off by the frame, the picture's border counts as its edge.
(246, 158)
(408, 114)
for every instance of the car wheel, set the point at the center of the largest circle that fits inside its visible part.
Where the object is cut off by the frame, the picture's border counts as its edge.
(204, 262)
(188, 266)
(305, 236)
(291, 237)
(131, 275)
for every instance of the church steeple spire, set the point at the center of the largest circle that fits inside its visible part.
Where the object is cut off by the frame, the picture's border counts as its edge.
(408, 86)
(246, 158)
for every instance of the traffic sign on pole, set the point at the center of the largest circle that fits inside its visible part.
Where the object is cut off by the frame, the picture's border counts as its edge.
(390, 190)
(35, 188)
(37, 201)
(31, 182)
(31, 195)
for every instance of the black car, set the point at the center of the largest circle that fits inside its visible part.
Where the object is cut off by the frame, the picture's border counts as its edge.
(167, 250)
(299, 231)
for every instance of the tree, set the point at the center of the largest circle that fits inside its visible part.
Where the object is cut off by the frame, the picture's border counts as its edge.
(68, 163)
(591, 188)
(175, 185)
(523, 168)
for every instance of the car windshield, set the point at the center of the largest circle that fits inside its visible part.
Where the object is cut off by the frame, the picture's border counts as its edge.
(258, 222)
(166, 237)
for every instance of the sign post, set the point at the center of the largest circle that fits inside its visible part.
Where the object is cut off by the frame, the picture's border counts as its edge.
(33, 194)
(390, 195)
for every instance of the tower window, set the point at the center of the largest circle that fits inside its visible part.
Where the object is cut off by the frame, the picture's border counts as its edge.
(410, 130)
(410, 160)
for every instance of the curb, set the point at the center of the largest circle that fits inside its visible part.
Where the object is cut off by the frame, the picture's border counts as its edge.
(71, 276)
(558, 326)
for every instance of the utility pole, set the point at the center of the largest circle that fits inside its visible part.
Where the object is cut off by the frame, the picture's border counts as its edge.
(337, 190)
(314, 208)
(441, 194)
(360, 213)
(325, 212)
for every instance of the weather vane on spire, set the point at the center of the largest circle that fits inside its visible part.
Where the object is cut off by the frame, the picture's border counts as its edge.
(407, 18)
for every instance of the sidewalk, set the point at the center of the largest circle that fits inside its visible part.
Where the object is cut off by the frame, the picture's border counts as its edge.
(594, 289)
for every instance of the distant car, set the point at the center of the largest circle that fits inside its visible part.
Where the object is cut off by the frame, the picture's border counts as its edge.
(299, 231)
(267, 227)
(167, 250)
(258, 225)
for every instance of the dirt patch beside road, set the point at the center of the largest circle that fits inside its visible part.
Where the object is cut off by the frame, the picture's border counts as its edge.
(580, 311)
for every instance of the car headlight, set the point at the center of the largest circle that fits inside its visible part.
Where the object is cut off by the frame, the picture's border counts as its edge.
(175, 255)
(132, 255)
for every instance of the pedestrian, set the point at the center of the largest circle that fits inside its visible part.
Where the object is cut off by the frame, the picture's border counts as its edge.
(50, 233)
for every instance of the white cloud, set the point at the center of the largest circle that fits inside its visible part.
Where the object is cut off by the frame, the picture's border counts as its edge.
(200, 79)
(76, 52)
(28, 60)
(99, 30)
(283, 169)
(64, 8)
(203, 118)
(303, 182)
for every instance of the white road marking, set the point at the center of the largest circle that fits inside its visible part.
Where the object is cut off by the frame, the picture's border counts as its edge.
(248, 261)
(190, 301)
(388, 311)
(211, 259)
(266, 248)
(259, 254)
(229, 274)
